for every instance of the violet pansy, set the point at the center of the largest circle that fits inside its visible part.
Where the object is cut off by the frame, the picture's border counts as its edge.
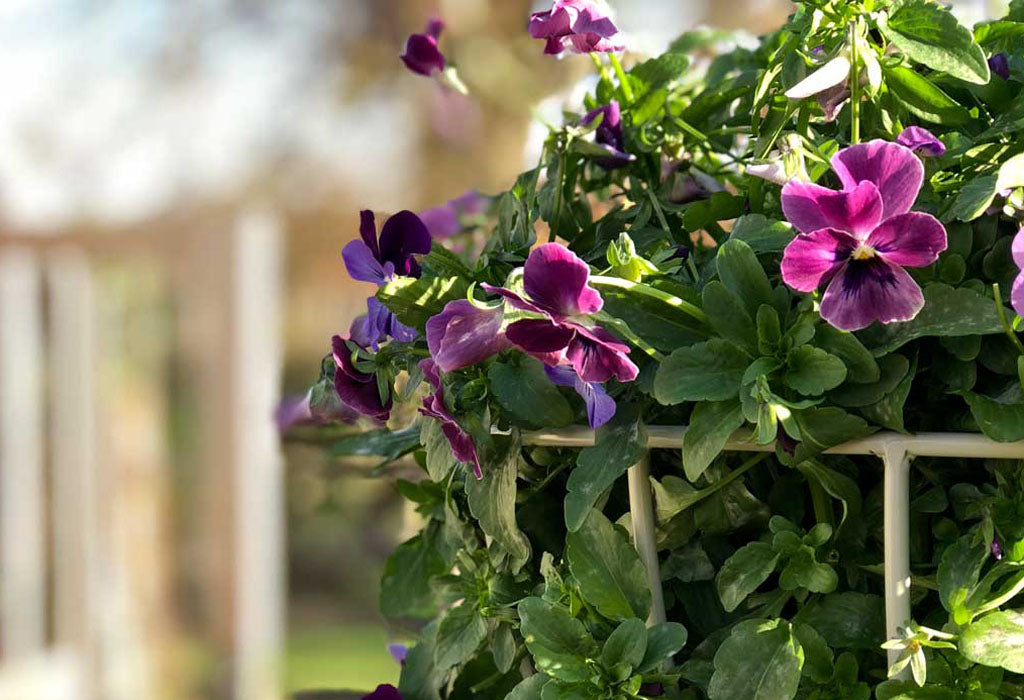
(356, 389)
(600, 406)
(464, 334)
(556, 283)
(378, 260)
(462, 446)
(921, 141)
(609, 135)
(583, 26)
(858, 240)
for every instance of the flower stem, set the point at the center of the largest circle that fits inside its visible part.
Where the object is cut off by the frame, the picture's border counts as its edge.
(854, 86)
(1001, 310)
(553, 224)
(686, 307)
(600, 67)
(627, 91)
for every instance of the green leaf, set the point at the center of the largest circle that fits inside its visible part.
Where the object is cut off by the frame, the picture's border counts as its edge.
(974, 199)
(743, 572)
(1003, 422)
(440, 460)
(559, 643)
(611, 576)
(893, 368)
(947, 312)
(420, 678)
(460, 633)
(803, 571)
(958, 574)
(855, 620)
(441, 262)
(996, 640)
(742, 274)
(522, 388)
(836, 484)
(818, 659)
(812, 371)
(923, 98)
(711, 425)
(529, 688)
(888, 410)
(619, 445)
(708, 371)
(405, 584)
(929, 34)
(863, 369)
(389, 445)
(556, 690)
(663, 640)
(503, 648)
(627, 644)
(413, 300)
(492, 499)
(727, 316)
(762, 234)
(662, 325)
(822, 428)
(657, 72)
(761, 660)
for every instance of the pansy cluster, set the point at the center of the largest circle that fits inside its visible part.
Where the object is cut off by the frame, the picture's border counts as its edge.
(785, 247)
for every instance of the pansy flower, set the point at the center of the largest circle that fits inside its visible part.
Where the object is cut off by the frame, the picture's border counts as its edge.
(464, 334)
(1000, 65)
(380, 323)
(609, 135)
(294, 411)
(921, 141)
(421, 53)
(379, 260)
(858, 240)
(1017, 291)
(583, 26)
(459, 440)
(356, 389)
(384, 691)
(600, 406)
(556, 283)
(446, 220)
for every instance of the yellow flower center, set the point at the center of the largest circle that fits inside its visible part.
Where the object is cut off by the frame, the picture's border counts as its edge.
(863, 252)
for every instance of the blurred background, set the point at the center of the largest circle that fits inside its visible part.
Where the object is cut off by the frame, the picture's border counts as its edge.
(177, 180)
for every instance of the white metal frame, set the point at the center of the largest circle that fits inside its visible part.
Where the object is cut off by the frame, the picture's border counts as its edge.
(894, 449)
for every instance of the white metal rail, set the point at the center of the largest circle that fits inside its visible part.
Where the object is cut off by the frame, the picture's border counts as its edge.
(894, 449)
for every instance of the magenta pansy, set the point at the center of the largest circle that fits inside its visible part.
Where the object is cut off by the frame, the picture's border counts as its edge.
(1017, 292)
(583, 26)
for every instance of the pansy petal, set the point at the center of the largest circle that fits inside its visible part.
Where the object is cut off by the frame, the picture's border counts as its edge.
(894, 170)
(550, 24)
(368, 231)
(462, 446)
(556, 280)
(600, 406)
(539, 335)
(810, 207)
(514, 299)
(362, 265)
(356, 390)
(1017, 249)
(384, 691)
(870, 290)
(442, 221)
(1017, 295)
(422, 55)
(597, 356)
(562, 375)
(813, 258)
(463, 335)
(921, 140)
(913, 239)
(402, 236)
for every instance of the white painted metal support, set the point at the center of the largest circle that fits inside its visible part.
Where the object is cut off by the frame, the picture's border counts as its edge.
(896, 549)
(641, 512)
(22, 547)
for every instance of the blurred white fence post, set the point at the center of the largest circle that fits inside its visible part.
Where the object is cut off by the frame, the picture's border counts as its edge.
(255, 361)
(22, 525)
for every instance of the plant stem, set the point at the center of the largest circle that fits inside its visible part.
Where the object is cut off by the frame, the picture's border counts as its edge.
(553, 224)
(854, 86)
(729, 478)
(640, 288)
(600, 67)
(822, 507)
(660, 214)
(1016, 587)
(627, 91)
(692, 130)
(1001, 310)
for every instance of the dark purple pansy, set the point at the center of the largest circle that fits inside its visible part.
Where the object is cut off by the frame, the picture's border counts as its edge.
(859, 239)
(464, 334)
(378, 261)
(583, 26)
(384, 691)
(600, 406)
(921, 141)
(1017, 292)
(1000, 65)
(609, 135)
(356, 389)
(459, 440)
(380, 323)
(421, 53)
(556, 282)
(446, 220)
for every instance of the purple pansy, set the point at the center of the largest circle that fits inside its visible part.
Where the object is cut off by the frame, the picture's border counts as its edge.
(556, 282)
(600, 406)
(294, 411)
(356, 389)
(421, 53)
(997, 548)
(859, 239)
(1017, 291)
(464, 334)
(380, 323)
(384, 691)
(379, 260)
(609, 135)
(1000, 65)
(446, 220)
(921, 141)
(459, 440)
(582, 26)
